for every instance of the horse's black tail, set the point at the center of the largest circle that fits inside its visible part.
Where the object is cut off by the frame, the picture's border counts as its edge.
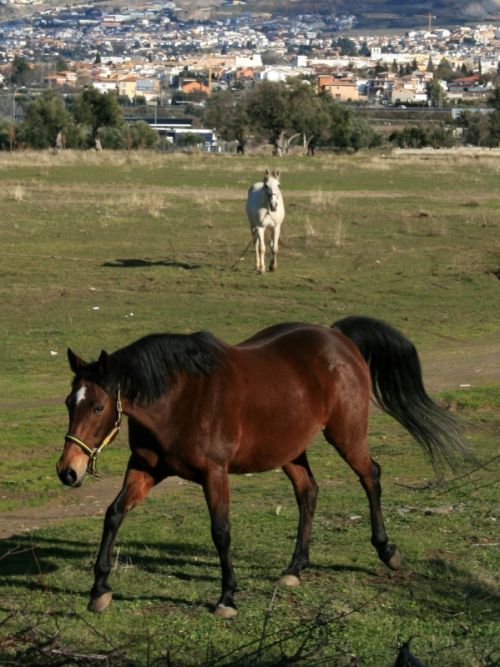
(398, 388)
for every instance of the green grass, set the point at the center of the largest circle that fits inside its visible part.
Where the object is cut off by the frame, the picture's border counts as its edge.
(166, 574)
(100, 250)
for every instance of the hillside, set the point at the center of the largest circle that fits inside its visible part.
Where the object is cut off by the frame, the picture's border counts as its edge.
(371, 14)
(387, 13)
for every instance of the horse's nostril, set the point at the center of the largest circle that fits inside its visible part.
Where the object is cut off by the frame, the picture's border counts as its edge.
(69, 476)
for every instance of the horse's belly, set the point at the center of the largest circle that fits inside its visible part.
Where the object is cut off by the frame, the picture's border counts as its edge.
(272, 447)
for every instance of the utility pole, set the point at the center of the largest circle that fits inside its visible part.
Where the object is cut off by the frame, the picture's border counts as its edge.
(209, 73)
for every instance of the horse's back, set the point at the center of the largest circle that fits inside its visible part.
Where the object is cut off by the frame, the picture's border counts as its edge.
(255, 203)
(255, 187)
(305, 344)
(265, 335)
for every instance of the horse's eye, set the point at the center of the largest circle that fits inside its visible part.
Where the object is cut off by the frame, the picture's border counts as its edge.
(98, 408)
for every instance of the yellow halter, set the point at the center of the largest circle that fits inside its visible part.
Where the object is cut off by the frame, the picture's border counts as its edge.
(93, 452)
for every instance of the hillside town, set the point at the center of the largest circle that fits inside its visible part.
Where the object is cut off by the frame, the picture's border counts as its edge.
(143, 51)
(153, 55)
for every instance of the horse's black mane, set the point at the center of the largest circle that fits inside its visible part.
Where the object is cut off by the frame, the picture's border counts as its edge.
(146, 368)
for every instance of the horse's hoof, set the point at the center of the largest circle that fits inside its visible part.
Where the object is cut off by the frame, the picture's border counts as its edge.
(99, 604)
(289, 580)
(394, 561)
(223, 611)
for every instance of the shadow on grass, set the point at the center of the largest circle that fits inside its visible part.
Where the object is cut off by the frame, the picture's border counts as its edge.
(136, 263)
(435, 587)
(435, 584)
(30, 555)
(443, 588)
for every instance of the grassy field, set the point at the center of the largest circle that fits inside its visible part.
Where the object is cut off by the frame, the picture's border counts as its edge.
(98, 250)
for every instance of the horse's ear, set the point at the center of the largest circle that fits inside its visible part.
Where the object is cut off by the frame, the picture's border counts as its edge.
(75, 362)
(102, 362)
(277, 173)
(267, 172)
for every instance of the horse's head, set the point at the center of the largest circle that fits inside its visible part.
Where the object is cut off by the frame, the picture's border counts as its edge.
(272, 188)
(94, 419)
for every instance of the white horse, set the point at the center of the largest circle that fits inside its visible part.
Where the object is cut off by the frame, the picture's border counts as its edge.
(265, 210)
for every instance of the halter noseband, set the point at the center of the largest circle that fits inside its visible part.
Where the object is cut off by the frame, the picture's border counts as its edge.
(93, 452)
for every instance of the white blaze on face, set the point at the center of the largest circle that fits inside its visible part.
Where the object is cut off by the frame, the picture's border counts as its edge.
(80, 394)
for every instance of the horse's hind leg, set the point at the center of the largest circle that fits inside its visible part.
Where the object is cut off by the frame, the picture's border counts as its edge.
(216, 488)
(353, 448)
(136, 485)
(306, 492)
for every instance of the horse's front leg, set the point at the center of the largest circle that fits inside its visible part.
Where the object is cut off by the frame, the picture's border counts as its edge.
(274, 248)
(256, 248)
(136, 485)
(260, 249)
(216, 488)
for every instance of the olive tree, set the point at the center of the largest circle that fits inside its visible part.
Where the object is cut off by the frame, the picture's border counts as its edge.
(227, 113)
(97, 110)
(44, 118)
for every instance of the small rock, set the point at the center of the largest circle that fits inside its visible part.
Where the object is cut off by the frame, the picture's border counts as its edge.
(444, 509)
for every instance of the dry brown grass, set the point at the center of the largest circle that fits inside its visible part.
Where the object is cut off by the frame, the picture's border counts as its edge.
(17, 192)
(449, 160)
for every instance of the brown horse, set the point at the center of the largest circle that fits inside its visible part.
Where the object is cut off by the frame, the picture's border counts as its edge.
(201, 409)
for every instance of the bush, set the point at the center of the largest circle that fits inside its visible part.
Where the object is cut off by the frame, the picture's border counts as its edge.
(410, 137)
(141, 135)
(112, 138)
(188, 140)
(7, 135)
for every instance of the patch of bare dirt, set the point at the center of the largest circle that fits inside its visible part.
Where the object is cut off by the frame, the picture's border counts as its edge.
(453, 364)
(450, 364)
(91, 499)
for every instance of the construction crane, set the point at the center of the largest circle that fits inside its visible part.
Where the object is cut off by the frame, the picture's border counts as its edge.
(429, 16)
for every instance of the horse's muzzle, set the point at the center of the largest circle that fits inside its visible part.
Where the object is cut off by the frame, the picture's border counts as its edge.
(69, 476)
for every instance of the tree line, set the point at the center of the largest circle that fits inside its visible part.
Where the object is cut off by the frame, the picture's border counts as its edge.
(275, 113)
(280, 114)
(479, 127)
(87, 120)
(283, 113)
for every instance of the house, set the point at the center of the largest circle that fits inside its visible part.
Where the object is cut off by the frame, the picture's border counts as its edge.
(380, 89)
(246, 73)
(341, 89)
(253, 60)
(149, 88)
(409, 90)
(61, 79)
(194, 86)
(105, 85)
(275, 74)
(127, 86)
(468, 88)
